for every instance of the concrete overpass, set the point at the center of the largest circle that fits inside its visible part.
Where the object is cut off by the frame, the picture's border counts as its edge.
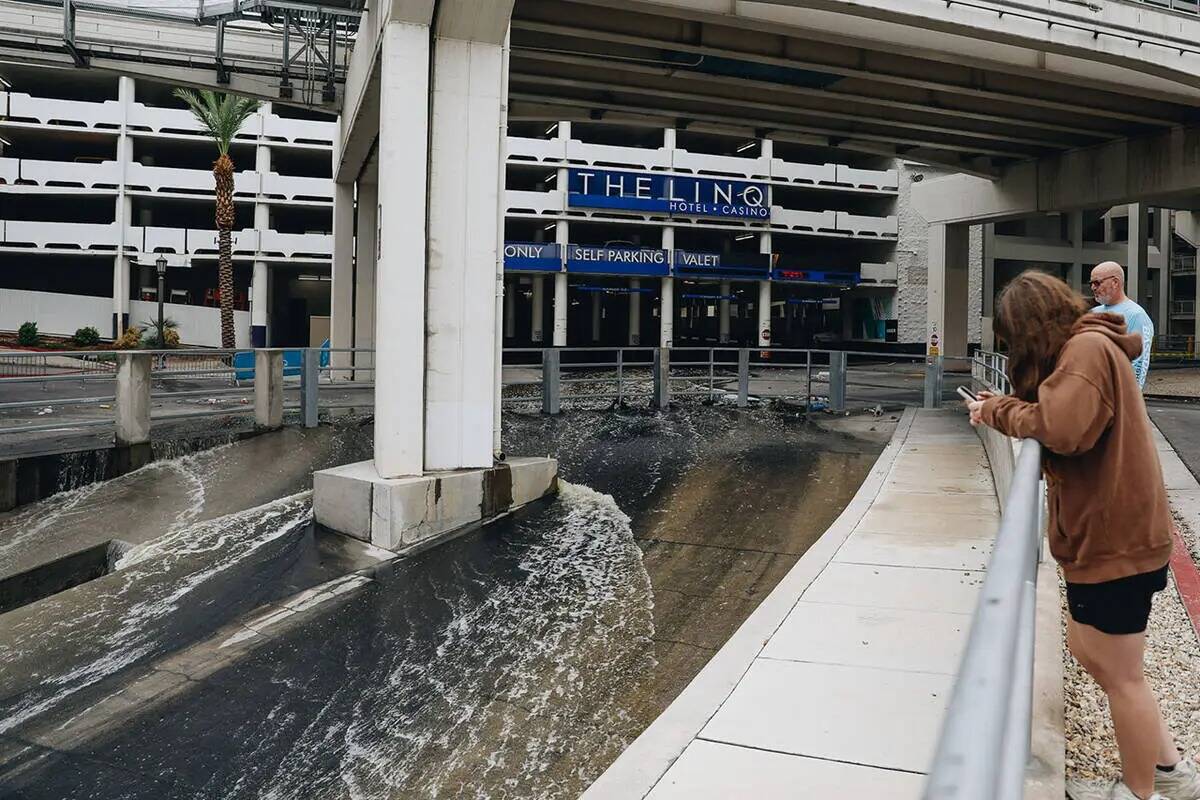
(1042, 106)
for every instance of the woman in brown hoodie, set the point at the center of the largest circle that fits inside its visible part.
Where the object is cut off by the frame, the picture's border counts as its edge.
(1109, 525)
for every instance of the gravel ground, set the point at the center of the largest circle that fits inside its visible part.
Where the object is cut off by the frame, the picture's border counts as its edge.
(1173, 669)
(1183, 382)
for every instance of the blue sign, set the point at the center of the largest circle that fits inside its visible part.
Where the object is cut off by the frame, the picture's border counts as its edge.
(673, 194)
(533, 256)
(617, 260)
(714, 265)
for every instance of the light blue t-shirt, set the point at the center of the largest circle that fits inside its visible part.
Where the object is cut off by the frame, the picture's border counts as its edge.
(1136, 321)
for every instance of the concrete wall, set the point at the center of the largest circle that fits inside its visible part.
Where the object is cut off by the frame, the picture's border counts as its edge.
(912, 262)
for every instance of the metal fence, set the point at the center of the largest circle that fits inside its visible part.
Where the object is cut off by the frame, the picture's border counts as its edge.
(815, 379)
(984, 745)
(47, 391)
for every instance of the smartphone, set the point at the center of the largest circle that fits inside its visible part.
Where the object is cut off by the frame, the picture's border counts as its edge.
(967, 394)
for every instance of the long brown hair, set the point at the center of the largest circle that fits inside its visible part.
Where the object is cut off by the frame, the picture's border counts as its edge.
(1034, 316)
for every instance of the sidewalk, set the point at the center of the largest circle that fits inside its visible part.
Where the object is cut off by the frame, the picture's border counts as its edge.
(838, 682)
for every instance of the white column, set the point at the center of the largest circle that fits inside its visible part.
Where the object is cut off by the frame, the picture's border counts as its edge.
(947, 292)
(123, 213)
(259, 305)
(537, 312)
(465, 165)
(366, 250)
(259, 297)
(1136, 267)
(666, 309)
(635, 312)
(723, 331)
(341, 293)
(562, 235)
(764, 313)
(510, 308)
(400, 278)
(987, 319)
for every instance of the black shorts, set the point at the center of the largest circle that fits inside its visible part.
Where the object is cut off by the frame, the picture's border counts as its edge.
(1116, 607)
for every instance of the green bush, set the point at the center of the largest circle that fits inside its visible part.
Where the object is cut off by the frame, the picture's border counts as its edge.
(27, 334)
(87, 337)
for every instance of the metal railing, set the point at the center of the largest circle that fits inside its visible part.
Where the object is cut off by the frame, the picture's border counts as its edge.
(192, 382)
(984, 744)
(991, 370)
(816, 379)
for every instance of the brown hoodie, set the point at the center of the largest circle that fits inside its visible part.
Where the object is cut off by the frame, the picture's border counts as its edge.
(1108, 506)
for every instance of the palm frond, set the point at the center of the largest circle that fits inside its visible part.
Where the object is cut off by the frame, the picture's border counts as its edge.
(221, 114)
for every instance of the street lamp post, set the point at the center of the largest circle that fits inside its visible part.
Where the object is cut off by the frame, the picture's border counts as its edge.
(161, 263)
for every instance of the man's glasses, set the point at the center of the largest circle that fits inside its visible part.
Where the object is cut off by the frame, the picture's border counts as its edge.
(1096, 284)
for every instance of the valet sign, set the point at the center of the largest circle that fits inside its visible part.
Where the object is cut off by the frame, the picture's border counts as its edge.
(675, 194)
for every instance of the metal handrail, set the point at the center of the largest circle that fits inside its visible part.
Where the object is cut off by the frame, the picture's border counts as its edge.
(985, 740)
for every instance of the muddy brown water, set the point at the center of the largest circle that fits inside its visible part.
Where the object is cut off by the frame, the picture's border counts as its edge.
(513, 663)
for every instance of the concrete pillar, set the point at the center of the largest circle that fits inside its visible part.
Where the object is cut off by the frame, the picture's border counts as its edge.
(947, 297)
(123, 212)
(260, 302)
(723, 331)
(1136, 266)
(666, 308)
(400, 333)
(635, 312)
(562, 237)
(1075, 276)
(764, 313)
(538, 311)
(987, 319)
(465, 168)
(132, 404)
(510, 308)
(666, 312)
(259, 305)
(268, 389)
(366, 251)
(341, 293)
(1162, 289)
(595, 317)
(560, 310)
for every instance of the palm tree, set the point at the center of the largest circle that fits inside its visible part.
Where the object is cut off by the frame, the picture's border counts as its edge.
(222, 115)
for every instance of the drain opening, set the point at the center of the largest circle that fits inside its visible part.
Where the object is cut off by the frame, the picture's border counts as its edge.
(59, 575)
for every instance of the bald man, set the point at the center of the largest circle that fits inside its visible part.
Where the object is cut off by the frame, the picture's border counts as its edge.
(1108, 287)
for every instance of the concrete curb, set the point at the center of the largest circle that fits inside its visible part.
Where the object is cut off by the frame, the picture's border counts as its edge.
(642, 764)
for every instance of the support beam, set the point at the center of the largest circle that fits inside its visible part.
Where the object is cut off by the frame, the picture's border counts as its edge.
(259, 305)
(764, 313)
(400, 333)
(947, 298)
(635, 312)
(1136, 264)
(538, 311)
(560, 310)
(341, 293)
(723, 321)
(366, 251)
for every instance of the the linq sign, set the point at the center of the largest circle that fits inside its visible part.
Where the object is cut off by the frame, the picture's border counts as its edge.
(675, 194)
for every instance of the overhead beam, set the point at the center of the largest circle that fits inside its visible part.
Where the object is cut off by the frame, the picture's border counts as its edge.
(538, 107)
(874, 75)
(615, 63)
(983, 148)
(1161, 169)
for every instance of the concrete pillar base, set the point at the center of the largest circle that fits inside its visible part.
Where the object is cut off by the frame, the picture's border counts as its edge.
(415, 512)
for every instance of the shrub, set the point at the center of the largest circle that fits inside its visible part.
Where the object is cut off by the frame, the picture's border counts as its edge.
(163, 339)
(87, 337)
(27, 334)
(130, 340)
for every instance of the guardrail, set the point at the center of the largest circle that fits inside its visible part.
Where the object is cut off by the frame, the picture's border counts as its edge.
(70, 385)
(816, 379)
(984, 745)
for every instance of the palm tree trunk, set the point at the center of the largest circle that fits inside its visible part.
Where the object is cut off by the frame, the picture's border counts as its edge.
(223, 174)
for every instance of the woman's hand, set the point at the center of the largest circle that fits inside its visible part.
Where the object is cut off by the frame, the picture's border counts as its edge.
(975, 407)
